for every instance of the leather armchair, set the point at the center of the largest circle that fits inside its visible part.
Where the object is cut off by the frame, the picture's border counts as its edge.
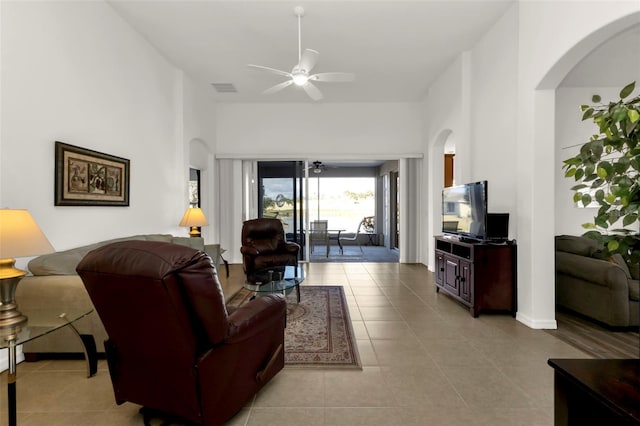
(172, 345)
(264, 246)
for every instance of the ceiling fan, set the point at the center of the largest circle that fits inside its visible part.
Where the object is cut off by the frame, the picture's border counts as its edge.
(301, 75)
(317, 167)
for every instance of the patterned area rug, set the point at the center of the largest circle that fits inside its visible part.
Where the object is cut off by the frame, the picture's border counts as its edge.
(319, 332)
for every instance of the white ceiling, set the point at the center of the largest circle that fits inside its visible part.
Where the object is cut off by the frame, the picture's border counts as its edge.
(395, 48)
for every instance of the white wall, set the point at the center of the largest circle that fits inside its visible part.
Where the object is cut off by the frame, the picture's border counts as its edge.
(444, 123)
(329, 130)
(494, 77)
(199, 137)
(75, 72)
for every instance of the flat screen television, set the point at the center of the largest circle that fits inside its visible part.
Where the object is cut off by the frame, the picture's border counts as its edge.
(464, 210)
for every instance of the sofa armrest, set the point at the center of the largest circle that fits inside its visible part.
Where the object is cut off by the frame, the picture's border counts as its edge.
(596, 271)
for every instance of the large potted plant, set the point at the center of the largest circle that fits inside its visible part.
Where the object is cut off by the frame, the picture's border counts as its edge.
(607, 171)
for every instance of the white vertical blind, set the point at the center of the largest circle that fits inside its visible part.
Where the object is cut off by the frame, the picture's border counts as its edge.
(410, 230)
(230, 208)
(249, 189)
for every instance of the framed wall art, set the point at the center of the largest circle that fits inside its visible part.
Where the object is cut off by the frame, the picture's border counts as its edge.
(90, 178)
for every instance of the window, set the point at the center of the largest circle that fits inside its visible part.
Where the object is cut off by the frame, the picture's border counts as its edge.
(194, 187)
(343, 202)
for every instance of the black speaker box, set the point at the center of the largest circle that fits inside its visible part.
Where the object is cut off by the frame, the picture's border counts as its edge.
(497, 226)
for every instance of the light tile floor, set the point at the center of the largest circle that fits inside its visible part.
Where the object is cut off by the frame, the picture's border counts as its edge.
(426, 361)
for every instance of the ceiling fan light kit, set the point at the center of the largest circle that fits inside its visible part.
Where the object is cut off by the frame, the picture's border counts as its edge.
(299, 75)
(317, 167)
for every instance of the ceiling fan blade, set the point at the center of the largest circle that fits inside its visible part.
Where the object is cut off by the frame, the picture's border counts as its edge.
(272, 70)
(278, 87)
(313, 92)
(308, 60)
(333, 77)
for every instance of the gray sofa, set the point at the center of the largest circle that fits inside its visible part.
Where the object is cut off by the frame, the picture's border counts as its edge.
(55, 284)
(605, 290)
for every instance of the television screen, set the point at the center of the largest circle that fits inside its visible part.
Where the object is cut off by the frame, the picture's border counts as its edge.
(464, 210)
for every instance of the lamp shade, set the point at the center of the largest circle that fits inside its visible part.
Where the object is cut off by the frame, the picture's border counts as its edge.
(20, 235)
(194, 217)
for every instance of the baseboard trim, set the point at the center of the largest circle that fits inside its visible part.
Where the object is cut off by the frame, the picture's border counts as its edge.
(550, 324)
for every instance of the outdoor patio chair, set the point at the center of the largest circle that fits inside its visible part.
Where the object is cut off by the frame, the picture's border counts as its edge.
(366, 226)
(319, 234)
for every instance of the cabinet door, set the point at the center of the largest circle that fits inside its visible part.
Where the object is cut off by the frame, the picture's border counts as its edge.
(465, 280)
(451, 275)
(440, 269)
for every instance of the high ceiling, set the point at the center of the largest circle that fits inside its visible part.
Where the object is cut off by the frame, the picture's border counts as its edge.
(395, 48)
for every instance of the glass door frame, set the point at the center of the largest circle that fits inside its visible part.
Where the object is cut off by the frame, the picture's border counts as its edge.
(394, 205)
(297, 171)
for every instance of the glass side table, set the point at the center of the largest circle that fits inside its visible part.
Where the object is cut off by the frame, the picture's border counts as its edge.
(39, 323)
(277, 279)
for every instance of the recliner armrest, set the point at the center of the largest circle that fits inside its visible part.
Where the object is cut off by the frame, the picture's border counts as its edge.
(255, 316)
(291, 247)
(251, 251)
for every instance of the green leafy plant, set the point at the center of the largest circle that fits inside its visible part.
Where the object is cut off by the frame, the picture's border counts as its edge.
(607, 171)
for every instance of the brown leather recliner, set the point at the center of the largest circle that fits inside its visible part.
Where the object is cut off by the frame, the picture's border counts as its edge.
(172, 346)
(264, 246)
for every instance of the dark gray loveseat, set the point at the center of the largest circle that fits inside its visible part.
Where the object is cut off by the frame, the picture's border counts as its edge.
(605, 290)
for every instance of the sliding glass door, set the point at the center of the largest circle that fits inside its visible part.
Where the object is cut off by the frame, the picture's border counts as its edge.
(281, 195)
(394, 205)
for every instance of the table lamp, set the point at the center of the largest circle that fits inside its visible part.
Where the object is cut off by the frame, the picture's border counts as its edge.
(20, 236)
(194, 218)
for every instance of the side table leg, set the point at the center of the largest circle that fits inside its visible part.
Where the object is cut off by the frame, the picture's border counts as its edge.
(90, 352)
(11, 385)
(226, 264)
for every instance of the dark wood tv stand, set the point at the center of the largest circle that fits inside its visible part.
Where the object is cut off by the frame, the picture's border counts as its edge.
(482, 276)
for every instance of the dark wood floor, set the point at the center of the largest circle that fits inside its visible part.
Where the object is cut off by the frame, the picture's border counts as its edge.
(595, 339)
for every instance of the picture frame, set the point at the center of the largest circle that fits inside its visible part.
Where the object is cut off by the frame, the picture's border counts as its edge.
(84, 177)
